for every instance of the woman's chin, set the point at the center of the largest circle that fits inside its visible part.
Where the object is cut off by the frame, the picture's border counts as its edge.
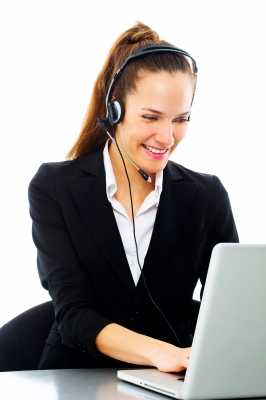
(155, 168)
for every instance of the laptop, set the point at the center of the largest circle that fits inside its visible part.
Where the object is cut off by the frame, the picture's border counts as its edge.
(228, 356)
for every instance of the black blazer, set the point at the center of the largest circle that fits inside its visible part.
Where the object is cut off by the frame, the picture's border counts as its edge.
(81, 259)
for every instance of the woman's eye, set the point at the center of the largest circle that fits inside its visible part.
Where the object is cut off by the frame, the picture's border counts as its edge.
(183, 120)
(149, 117)
(154, 118)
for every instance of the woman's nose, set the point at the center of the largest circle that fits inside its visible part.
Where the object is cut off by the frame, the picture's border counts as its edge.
(164, 134)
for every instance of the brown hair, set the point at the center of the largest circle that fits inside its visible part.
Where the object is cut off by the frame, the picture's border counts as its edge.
(92, 135)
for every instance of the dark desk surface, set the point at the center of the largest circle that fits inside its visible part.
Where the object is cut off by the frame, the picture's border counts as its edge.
(70, 384)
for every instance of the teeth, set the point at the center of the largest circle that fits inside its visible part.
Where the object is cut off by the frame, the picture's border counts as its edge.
(156, 151)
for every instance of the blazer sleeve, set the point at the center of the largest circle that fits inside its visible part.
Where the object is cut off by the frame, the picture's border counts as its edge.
(223, 227)
(59, 268)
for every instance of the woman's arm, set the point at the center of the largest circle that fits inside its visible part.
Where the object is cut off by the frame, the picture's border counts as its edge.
(60, 270)
(123, 344)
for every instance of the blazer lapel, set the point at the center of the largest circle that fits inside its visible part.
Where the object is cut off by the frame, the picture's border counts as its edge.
(175, 203)
(89, 193)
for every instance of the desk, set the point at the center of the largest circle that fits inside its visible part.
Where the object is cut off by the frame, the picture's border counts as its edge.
(70, 384)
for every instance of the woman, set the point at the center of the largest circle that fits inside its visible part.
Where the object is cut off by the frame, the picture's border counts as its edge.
(93, 241)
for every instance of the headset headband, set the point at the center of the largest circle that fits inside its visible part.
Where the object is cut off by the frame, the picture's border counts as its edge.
(142, 52)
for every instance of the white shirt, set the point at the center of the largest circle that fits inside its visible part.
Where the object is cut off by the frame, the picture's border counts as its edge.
(144, 220)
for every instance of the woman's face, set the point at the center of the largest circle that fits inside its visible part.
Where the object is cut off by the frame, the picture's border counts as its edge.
(155, 119)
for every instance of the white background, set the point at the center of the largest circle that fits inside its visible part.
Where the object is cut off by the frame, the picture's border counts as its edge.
(50, 54)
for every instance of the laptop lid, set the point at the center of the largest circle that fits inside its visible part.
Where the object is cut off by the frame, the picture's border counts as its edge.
(228, 357)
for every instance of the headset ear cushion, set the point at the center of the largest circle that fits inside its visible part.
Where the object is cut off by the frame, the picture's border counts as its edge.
(118, 111)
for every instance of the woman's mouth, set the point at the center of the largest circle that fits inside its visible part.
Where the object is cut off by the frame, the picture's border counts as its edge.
(154, 150)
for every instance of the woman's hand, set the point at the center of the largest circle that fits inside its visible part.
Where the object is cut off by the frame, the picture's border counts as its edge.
(169, 358)
(118, 342)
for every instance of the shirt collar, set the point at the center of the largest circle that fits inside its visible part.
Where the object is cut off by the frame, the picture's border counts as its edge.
(111, 186)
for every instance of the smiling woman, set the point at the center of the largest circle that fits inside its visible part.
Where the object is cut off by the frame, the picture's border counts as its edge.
(156, 119)
(117, 251)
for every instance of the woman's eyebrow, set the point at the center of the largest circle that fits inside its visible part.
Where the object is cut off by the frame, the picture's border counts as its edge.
(151, 110)
(160, 113)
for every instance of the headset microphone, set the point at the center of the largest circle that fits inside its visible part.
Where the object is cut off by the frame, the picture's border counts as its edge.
(103, 123)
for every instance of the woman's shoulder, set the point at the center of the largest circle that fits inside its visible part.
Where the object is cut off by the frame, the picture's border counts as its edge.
(71, 169)
(53, 178)
(203, 180)
(58, 167)
(48, 171)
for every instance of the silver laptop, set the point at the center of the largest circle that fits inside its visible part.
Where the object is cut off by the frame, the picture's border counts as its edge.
(228, 356)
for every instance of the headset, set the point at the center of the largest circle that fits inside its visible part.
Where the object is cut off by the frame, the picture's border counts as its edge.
(114, 115)
(114, 108)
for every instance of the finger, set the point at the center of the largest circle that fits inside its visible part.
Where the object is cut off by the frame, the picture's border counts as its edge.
(184, 362)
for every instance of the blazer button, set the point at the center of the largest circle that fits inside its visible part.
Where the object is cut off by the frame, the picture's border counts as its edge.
(134, 316)
(82, 348)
